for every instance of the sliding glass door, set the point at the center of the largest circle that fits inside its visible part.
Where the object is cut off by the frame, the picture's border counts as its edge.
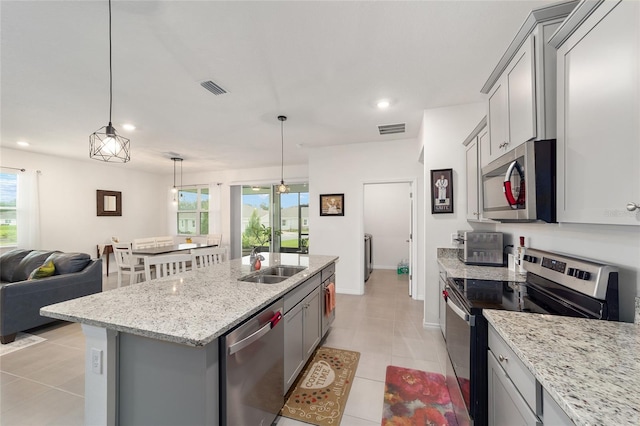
(275, 222)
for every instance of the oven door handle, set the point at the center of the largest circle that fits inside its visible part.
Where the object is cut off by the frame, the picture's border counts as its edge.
(457, 310)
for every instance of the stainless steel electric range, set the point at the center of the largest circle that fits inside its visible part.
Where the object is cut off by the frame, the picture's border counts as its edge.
(556, 285)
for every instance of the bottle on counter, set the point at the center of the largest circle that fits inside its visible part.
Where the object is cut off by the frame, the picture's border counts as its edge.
(520, 257)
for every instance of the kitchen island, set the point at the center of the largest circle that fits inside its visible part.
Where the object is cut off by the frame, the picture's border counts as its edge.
(167, 330)
(590, 368)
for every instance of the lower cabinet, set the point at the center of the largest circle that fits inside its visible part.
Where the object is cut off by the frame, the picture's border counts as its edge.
(506, 405)
(302, 328)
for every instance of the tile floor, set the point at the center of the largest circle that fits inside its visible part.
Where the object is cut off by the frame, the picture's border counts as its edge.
(44, 384)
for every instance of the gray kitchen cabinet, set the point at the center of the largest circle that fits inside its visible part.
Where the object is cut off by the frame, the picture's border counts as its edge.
(511, 387)
(472, 158)
(553, 415)
(302, 327)
(442, 304)
(521, 89)
(599, 114)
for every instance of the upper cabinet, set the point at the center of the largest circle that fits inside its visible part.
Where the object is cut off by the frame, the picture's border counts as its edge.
(598, 137)
(521, 89)
(473, 148)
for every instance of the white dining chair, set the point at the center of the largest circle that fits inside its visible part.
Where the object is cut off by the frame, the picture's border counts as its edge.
(166, 265)
(143, 243)
(126, 263)
(207, 256)
(164, 241)
(214, 239)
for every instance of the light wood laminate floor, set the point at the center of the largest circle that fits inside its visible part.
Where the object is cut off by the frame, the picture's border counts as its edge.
(44, 384)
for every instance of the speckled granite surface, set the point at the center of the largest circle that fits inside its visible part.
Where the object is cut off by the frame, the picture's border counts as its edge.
(192, 308)
(591, 368)
(448, 259)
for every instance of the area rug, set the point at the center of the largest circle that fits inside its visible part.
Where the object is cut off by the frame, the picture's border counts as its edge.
(320, 394)
(23, 340)
(416, 398)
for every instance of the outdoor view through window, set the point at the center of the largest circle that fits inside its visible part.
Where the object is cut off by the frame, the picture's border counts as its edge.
(275, 222)
(8, 222)
(193, 211)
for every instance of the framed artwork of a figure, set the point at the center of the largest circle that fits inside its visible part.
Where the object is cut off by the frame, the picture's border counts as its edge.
(441, 191)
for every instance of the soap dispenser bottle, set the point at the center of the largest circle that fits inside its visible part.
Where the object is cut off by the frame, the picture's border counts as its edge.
(520, 257)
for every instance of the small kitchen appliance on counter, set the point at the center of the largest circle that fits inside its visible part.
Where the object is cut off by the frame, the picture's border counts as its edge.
(555, 285)
(480, 248)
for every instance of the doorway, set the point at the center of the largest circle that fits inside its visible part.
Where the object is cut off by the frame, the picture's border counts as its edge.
(388, 219)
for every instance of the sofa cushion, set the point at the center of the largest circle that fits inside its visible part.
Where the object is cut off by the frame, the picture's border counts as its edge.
(44, 271)
(68, 263)
(9, 261)
(30, 262)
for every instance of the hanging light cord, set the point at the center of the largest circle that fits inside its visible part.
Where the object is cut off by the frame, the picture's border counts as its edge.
(282, 151)
(174, 173)
(110, 69)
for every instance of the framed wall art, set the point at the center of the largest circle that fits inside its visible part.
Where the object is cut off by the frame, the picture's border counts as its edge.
(108, 203)
(331, 204)
(441, 191)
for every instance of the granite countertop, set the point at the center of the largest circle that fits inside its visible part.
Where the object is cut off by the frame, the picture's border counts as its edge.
(448, 259)
(193, 308)
(591, 368)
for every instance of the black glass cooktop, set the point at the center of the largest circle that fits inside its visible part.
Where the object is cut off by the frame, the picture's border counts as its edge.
(489, 294)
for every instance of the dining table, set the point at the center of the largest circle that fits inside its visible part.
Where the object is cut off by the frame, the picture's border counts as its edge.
(173, 248)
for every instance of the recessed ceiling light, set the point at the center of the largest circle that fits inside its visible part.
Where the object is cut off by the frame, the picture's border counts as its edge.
(128, 127)
(23, 143)
(383, 103)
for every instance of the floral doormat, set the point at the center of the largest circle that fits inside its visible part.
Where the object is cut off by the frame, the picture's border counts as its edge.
(416, 398)
(320, 393)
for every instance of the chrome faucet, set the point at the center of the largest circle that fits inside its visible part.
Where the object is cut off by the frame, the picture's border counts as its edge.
(253, 258)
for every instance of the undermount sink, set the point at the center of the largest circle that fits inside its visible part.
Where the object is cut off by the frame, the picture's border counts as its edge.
(283, 270)
(263, 279)
(273, 274)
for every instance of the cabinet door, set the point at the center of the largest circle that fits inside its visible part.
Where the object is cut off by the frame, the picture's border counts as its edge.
(312, 325)
(598, 118)
(506, 406)
(473, 212)
(521, 96)
(294, 356)
(498, 120)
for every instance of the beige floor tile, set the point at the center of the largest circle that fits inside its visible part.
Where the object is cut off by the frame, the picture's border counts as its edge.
(16, 392)
(6, 378)
(373, 342)
(414, 348)
(35, 358)
(354, 421)
(372, 366)
(285, 421)
(369, 324)
(365, 400)
(52, 407)
(418, 364)
(340, 338)
(62, 372)
(406, 329)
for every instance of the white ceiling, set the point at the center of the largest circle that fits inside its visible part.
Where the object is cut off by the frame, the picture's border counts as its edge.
(323, 64)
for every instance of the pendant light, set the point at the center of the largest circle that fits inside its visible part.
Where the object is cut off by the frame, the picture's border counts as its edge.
(105, 144)
(174, 190)
(282, 188)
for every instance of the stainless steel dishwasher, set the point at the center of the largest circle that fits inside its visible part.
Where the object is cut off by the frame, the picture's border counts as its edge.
(252, 370)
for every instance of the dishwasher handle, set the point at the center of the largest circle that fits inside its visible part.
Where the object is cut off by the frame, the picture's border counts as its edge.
(238, 346)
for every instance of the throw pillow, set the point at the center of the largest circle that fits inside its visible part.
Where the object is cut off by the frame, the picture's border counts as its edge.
(9, 261)
(29, 263)
(43, 271)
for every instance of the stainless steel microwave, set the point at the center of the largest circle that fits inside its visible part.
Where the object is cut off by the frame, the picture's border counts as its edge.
(520, 186)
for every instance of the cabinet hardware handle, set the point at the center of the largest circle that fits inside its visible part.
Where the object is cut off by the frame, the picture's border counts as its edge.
(502, 358)
(633, 206)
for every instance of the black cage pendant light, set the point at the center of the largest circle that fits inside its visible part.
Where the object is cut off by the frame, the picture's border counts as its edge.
(105, 144)
(282, 188)
(174, 190)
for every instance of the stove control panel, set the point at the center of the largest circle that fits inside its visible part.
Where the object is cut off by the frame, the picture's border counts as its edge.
(586, 276)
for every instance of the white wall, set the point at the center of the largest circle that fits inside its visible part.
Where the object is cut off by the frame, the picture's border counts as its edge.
(442, 134)
(345, 169)
(387, 217)
(68, 220)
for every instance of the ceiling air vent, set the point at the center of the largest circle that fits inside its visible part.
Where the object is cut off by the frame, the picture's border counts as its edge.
(213, 88)
(387, 129)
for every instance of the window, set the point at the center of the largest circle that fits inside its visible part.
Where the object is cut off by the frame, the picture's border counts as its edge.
(193, 211)
(8, 219)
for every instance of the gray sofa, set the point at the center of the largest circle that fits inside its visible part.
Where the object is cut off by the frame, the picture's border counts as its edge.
(76, 275)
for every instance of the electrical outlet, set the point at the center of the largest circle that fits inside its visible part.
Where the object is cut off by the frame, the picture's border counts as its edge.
(96, 361)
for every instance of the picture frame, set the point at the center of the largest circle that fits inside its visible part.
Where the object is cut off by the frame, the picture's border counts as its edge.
(108, 203)
(441, 191)
(331, 204)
